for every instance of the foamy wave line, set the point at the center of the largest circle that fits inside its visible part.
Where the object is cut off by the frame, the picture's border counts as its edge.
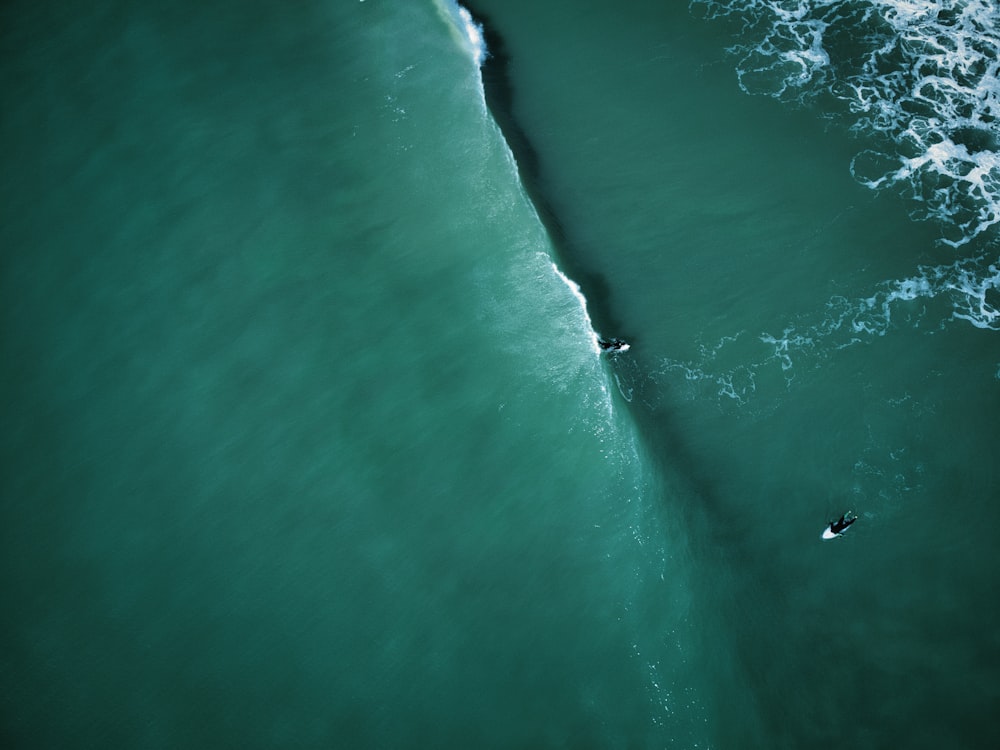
(578, 294)
(474, 34)
(469, 33)
(923, 74)
(970, 287)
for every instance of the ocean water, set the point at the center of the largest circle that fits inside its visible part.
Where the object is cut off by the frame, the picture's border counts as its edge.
(307, 437)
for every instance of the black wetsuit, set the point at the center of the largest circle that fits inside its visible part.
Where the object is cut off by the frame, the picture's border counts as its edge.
(839, 527)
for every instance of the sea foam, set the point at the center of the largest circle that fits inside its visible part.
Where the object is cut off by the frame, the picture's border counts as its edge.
(920, 79)
(969, 287)
(468, 32)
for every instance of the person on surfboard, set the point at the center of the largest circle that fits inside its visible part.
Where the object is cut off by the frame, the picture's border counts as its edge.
(613, 345)
(838, 527)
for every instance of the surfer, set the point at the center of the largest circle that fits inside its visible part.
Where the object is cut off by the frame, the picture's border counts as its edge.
(613, 345)
(838, 527)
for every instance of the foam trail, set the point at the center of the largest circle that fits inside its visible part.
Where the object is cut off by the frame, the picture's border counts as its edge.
(970, 287)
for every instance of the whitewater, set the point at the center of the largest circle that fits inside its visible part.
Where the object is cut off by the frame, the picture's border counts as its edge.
(920, 80)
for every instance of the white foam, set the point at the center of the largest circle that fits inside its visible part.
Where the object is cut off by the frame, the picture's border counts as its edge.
(737, 384)
(474, 33)
(970, 287)
(922, 77)
(924, 74)
(965, 284)
(575, 289)
(784, 345)
(468, 32)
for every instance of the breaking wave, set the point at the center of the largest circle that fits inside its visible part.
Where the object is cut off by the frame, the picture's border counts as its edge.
(468, 32)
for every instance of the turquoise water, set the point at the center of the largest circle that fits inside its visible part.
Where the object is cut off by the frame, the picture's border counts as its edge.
(308, 441)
